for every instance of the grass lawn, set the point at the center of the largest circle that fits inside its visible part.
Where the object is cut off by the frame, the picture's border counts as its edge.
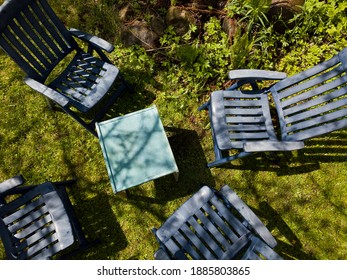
(302, 199)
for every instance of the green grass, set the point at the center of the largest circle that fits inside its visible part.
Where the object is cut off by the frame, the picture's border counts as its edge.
(302, 199)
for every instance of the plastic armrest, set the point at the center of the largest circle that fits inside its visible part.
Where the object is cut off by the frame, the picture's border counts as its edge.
(272, 146)
(254, 74)
(10, 184)
(48, 92)
(161, 254)
(248, 215)
(92, 39)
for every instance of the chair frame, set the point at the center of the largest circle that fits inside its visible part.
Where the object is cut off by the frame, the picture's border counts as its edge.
(214, 225)
(308, 104)
(62, 214)
(74, 91)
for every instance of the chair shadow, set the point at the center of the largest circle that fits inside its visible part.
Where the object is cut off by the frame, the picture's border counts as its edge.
(137, 100)
(101, 225)
(290, 250)
(190, 159)
(325, 149)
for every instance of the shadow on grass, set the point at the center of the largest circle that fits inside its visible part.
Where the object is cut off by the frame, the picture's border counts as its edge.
(331, 148)
(99, 222)
(191, 163)
(292, 249)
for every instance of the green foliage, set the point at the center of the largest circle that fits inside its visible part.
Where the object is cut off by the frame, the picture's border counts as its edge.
(319, 21)
(253, 12)
(196, 61)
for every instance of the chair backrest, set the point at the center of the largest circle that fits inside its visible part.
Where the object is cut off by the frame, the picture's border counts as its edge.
(313, 102)
(33, 36)
(35, 225)
(204, 227)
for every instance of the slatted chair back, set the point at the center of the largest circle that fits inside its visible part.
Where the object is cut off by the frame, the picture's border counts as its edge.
(313, 102)
(35, 225)
(205, 228)
(33, 36)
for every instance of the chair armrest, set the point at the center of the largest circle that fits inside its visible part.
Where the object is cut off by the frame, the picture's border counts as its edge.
(10, 184)
(161, 254)
(272, 146)
(55, 96)
(92, 39)
(254, 74)
(255, 223)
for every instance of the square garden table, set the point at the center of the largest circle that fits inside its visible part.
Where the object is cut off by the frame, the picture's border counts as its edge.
(136, 149)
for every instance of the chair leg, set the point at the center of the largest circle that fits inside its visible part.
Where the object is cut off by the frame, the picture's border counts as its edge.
(90, 127)
(224, 160)
(205, 106)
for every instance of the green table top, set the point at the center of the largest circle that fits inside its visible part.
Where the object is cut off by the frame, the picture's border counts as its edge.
(135, 148)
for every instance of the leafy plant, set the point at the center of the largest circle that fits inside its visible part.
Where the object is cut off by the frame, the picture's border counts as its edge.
(252, 12)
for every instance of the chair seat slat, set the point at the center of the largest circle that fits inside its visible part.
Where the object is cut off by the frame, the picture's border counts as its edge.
(48, 252)
(228, 216)
(230, 235)
(44, 243)
(33, 226)
(243, 103)
(236, 247)
(72, 93)
(27, 220)
(246, 127)
(226, 94)
(243, 120)
(15, 210)
(207, 233)
(185, 245)
(244, 111)
(87, 75)
(35, 238)
(249, 136)
(223, 237)
(197, 245)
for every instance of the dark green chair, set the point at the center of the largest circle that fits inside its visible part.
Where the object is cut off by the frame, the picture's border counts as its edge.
(33, 36)
(214, 225)
(39, 222)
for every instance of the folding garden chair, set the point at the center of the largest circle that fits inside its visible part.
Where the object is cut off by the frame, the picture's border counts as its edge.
(38, 222)
(308, 104)
(214, 225)
(33, 36)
